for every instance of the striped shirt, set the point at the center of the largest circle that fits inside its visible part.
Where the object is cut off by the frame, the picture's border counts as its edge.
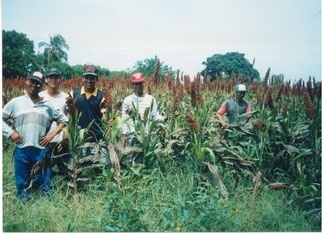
(31, 121)
(141, 103)
(60, 102)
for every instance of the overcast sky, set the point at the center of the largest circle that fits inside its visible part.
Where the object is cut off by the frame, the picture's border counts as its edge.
(284, 35)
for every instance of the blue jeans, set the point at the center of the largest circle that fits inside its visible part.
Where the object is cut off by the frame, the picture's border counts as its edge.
(24, 159)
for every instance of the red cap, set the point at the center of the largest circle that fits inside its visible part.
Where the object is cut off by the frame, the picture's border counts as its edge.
(137, 78)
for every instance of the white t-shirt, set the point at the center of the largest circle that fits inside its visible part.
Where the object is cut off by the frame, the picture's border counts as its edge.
(141, 103)
(60, 102)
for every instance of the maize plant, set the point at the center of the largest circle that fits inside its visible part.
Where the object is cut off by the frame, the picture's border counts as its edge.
(80, 169)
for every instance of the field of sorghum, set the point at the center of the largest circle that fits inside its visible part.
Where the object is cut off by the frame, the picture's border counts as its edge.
(191, 175)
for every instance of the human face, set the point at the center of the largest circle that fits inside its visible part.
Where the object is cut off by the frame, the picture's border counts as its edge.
(89, 82)
(53, 81)
(240, 95)
(138, 88)
(33, 87)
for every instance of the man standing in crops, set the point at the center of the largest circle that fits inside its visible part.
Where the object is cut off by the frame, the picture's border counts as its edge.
(137, 102)
(90, 103)
(235, 108)
(26, 120)
(53, 94)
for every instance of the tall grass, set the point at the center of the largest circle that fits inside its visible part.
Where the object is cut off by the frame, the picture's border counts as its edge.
(178, 199)
(173, 187)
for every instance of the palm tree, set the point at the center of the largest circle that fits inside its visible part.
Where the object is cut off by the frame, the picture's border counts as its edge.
(54, 50)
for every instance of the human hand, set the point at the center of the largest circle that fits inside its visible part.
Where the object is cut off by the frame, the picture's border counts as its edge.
(225, 125)
(45, 140)
(15, 137)
(63, 145)
(59, 147)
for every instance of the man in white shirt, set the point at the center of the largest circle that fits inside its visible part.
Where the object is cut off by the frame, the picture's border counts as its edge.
(53, 79)
(138, 101)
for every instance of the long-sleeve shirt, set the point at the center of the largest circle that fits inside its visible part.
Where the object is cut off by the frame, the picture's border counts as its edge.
(141, 104)
(60, 102)
(234, 109)
(31, 121)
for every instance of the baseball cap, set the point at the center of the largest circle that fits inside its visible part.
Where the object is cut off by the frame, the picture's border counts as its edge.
(53, 71)
(137, 78)
(90, 70)
(37, 76)
(240, 88)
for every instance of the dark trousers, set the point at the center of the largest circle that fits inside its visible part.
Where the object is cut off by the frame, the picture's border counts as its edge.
(60, 158)
(24, 160)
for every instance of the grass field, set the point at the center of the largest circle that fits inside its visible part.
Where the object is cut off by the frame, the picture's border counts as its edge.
(177, 199)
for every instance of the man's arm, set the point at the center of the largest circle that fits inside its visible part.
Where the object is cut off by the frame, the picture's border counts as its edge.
(7, 113)
(7, 130)
(248, 109)
(46, 139)
(62, 121)
(219, 114)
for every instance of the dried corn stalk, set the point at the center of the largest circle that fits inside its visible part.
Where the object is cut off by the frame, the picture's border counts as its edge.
(214, 170)
(113, 157)
(281, 186)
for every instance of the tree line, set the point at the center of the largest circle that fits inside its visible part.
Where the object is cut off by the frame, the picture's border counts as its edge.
(20, 59)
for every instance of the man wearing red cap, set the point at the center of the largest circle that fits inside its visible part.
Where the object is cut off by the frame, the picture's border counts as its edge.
(140, 101)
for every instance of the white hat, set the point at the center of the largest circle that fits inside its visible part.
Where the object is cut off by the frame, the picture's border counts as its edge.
(240, 88)
(37, 76)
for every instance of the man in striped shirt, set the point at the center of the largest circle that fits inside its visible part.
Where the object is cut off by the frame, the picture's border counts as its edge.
(138, 101)
(32, 117)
